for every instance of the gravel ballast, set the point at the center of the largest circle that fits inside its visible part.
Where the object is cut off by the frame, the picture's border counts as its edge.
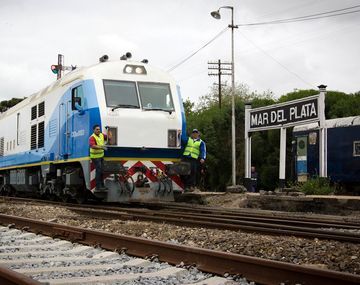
(334, 255)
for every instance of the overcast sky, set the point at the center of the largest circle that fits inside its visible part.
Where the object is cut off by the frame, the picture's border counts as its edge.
(278, 58)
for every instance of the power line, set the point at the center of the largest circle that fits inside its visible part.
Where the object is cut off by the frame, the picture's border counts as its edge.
(278, 62)
(327, 14)
(307, 17)
(195, 52)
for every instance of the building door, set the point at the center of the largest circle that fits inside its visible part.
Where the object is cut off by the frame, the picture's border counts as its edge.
(301, 158)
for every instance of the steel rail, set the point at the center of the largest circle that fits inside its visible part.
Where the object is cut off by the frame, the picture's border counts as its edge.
(10, 277)
(245, 212)
(230, 218)
(213, 223)
(210, 212)
(255, 269)
(274, 227)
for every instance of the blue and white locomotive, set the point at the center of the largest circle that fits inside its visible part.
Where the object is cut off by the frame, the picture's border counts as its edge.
(45, 148)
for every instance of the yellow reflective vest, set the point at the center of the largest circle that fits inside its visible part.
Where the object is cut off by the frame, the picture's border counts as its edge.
(100, 141)
(192, 148)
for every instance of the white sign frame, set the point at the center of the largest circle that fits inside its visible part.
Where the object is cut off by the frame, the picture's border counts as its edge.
(282, 161)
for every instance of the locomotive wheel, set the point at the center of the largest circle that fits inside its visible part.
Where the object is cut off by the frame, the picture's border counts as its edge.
(81, 197)
(66, 198)
(158, 188)
(169, 186)
(9, 191)
(130, 185)
(49, 192)
(52, 197)
(2, 191)
(5, 190)
(162, 187)
(127, 184)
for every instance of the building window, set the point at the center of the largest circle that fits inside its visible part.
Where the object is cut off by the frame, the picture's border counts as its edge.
(356, 151)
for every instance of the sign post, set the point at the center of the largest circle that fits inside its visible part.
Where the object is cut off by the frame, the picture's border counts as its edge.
(281, 116)
(247, 147)
(322, 134)
(282, 160)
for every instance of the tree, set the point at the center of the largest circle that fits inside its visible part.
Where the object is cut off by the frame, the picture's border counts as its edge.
(7, 104)
(215, 126)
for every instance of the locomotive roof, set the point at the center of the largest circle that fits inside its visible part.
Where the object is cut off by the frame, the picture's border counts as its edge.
(332, 123)
(81, 73)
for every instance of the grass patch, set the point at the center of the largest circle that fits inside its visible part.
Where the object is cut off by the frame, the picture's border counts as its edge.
(317, 186)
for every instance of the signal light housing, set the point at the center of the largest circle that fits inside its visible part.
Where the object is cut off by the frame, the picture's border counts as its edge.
(55, 69)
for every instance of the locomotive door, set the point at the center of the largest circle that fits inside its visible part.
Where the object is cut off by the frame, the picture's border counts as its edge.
(65, 129)
(301, 158)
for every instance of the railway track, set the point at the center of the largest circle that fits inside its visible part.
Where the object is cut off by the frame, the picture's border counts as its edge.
(348, 231)
(259, 270)
(38, 259)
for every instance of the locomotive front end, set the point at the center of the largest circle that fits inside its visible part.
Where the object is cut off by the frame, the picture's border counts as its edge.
(142, 114)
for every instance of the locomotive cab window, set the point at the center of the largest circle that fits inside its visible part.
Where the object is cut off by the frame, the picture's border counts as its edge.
(77, 98)
(121, 94)
(356, 148)
(156, 96)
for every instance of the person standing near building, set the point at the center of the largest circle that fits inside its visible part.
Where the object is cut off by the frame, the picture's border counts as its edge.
(254, 179)
(97, 148)
(195, 152)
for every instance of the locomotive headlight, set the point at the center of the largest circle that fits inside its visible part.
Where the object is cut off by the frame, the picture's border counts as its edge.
(138, 70)
(172, 138)
(134, 69)
(128, 69)
(178, 138)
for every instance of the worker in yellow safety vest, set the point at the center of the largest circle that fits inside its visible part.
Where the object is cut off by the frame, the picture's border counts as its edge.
(97, 148)
(194, 153)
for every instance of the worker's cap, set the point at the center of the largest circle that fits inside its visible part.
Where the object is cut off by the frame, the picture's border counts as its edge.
(195, 131)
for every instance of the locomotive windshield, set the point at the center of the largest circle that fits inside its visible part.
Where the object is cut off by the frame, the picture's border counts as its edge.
(155, 96)
(121, 94)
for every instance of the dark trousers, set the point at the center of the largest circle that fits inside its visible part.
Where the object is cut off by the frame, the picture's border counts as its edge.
(190, 180)
(99, 168)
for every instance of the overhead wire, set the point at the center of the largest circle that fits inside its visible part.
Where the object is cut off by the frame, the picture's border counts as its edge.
(322, 15)
(195, 52)
(327, 14)
(278, 62)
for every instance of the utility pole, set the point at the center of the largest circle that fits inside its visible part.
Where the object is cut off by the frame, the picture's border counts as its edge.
(222, 68)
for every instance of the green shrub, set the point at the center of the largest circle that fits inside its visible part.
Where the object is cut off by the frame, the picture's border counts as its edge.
(317, 186)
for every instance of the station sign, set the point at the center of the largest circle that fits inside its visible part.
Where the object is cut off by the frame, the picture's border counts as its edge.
(285, 114)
